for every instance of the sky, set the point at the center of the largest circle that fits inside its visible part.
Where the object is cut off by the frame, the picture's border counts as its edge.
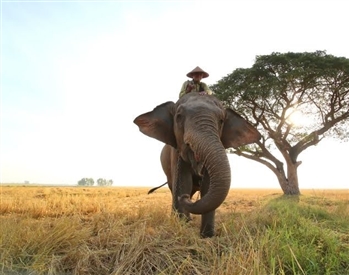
(75, 74)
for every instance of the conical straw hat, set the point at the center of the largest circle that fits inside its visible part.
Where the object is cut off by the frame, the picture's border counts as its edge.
(197, 70)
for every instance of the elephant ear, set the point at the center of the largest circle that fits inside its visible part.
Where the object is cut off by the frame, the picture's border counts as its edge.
(158, 123)
(237, 131)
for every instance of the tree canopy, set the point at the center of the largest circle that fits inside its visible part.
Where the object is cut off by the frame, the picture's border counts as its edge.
(91, 182)
(86, 182)
(295, 100)
(104, 182)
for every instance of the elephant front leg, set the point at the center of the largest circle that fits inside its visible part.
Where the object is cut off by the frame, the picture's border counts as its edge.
(183, 183)
(207, 219)
(207, 224)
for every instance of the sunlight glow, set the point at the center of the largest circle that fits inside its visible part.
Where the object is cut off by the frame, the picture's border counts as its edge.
(294, 117)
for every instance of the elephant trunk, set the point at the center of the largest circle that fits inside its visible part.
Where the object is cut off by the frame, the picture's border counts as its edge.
(217, 165)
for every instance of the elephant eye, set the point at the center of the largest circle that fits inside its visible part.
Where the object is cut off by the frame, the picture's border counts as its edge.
(222, 119)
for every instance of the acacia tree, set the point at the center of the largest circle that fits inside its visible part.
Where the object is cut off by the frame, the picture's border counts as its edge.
(312, 86)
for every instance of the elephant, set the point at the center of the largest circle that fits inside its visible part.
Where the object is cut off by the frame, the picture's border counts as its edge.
(196, 131)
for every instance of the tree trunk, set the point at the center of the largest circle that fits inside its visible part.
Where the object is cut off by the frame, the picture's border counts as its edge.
(289, 184)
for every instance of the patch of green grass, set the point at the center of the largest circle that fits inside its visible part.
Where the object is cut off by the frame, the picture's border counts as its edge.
(299, 238)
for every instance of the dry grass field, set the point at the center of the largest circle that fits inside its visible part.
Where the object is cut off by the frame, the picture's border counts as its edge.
(114, 230)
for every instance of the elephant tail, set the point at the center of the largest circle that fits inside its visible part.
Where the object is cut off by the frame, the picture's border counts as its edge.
(155, 188)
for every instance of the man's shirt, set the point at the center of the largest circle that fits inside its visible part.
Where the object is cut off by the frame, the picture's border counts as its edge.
(199, 87)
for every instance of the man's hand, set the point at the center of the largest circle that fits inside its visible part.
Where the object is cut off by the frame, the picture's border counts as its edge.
(189, 88)
(202, 93)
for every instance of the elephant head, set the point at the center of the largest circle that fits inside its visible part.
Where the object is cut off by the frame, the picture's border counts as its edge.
(200, 128)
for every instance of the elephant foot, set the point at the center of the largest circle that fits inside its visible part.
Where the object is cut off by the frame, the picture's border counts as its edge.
(207, 233)
(207, 225)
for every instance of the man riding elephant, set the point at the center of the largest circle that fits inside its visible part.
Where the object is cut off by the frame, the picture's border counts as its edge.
(196, 130)
(195, 85)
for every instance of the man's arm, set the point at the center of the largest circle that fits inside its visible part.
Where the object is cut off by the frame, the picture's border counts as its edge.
(183, 89)
(206, 88)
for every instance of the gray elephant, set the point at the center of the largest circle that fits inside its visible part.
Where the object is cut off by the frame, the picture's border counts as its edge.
(196, 131)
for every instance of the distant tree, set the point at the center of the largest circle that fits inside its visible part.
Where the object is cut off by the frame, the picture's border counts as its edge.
(104, 182)
(295, 100)
(82, 182)
(101, 182)
(109, 182)
(90, 181)
(86, 182)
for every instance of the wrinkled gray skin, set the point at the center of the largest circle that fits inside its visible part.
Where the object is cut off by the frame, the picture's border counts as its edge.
(196, 131)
